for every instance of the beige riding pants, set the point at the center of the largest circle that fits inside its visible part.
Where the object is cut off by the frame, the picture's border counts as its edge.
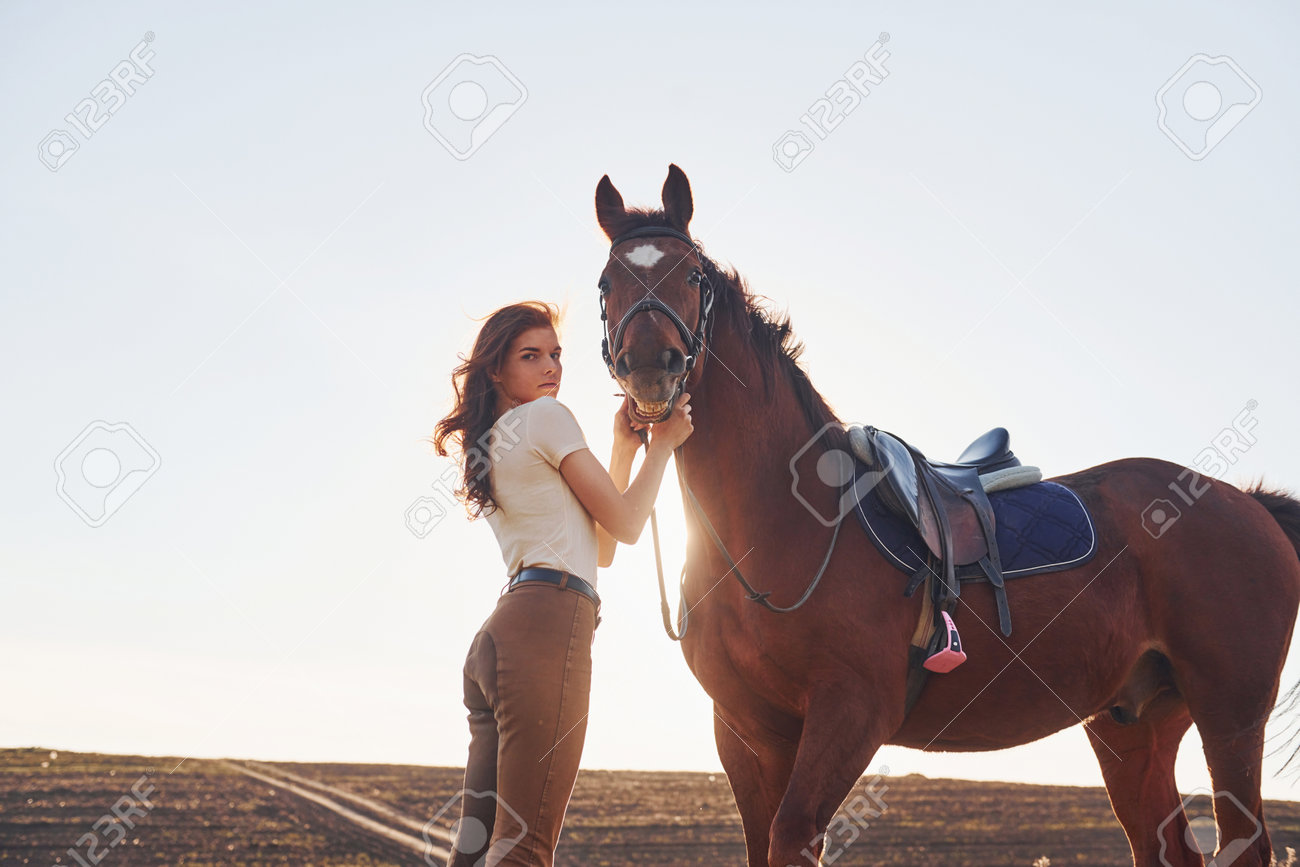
(527, 684)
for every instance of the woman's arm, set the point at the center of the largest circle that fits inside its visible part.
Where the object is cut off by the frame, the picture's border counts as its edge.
(623, 514)
(620, 471)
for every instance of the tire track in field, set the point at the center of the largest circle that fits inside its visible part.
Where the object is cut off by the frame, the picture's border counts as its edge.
(316, 792)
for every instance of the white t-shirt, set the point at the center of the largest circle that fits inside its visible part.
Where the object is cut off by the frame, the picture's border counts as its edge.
(539, 521)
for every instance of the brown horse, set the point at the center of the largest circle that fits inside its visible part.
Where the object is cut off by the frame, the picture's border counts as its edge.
(1151, 636)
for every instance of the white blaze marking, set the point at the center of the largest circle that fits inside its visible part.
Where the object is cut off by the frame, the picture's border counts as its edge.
(646, 255)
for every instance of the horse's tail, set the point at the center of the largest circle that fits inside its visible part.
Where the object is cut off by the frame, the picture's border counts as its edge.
(1284, 508)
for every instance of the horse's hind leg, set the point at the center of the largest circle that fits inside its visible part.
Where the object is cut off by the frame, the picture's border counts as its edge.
(1229, 693)
(758, 768)
(1234, 761)
(1231, 724)
(1229, 679)
(1137, 762)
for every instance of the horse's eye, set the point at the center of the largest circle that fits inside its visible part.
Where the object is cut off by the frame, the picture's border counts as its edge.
(696, 278)
(603, 285)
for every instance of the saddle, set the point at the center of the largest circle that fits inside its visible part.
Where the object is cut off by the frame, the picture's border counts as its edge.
(947, 504)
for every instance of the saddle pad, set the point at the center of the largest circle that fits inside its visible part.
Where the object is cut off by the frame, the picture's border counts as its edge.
(1040, 528)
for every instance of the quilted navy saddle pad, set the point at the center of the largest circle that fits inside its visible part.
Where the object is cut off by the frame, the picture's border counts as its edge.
(1041, 528)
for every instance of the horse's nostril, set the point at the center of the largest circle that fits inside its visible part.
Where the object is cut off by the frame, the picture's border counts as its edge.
(620, 366)
(673, 361)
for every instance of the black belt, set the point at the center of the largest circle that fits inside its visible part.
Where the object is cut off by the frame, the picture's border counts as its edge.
(561, 579)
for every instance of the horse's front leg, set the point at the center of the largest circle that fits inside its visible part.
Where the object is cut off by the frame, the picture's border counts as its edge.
(758, 764)
(840, 735)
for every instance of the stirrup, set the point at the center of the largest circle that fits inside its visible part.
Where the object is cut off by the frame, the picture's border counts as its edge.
(950, 655)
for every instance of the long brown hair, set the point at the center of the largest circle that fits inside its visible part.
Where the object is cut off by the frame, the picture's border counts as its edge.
(475, 412)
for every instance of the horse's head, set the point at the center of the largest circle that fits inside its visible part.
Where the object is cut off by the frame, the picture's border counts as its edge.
(655, 296)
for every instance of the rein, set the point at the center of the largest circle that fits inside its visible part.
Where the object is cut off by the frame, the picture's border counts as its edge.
(696, 342)
(750, 593)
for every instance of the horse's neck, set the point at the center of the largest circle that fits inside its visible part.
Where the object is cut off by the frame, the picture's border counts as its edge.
(738, 459)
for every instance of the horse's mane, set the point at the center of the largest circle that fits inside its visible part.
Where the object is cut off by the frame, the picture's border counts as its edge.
(771, 334)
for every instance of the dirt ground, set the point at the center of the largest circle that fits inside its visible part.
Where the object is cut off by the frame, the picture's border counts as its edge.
(131, 810)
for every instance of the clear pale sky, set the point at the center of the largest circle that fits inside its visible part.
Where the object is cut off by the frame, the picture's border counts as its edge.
(265, 264)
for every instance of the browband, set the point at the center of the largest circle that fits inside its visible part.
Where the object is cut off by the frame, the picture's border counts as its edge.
(651, 232)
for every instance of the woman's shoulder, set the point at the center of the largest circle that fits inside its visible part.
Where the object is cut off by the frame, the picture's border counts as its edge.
(542, 409)
(545, 404)
(549, 408)
(547, 426)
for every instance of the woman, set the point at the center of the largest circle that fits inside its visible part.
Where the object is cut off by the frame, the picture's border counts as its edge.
(557, 514)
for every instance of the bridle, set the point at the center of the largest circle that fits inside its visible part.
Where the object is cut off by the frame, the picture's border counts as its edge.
(611, 347)
(696, 342)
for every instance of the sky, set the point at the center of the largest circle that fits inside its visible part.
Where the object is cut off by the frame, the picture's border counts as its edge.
(237, 276)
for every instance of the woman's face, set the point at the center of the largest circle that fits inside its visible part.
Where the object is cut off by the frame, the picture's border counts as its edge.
(531, 368)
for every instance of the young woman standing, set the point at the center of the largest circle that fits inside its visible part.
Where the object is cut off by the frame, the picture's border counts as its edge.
(557, 515)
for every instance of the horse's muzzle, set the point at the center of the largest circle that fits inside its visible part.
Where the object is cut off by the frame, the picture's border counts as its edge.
(653, 394)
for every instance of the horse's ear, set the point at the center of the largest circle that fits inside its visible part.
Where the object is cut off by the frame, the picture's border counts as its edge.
(610, 212)
(678, 206)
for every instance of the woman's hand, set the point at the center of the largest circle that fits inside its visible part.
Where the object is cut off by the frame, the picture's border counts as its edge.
(674, 430)
(626, 438)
